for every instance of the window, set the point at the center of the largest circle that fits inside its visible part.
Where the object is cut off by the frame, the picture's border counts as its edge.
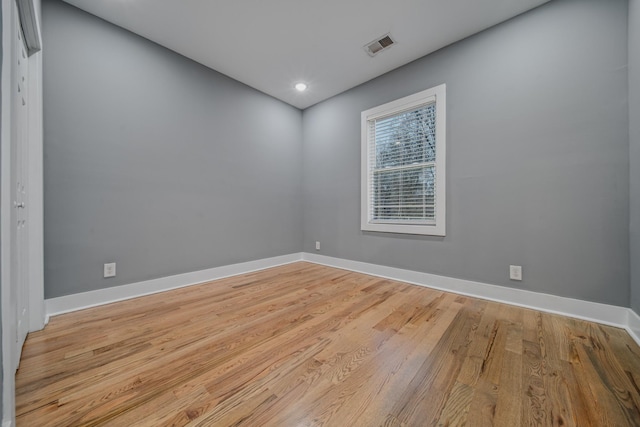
(403, 165)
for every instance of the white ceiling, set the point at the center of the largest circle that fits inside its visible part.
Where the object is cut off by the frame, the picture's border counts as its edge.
(272, 44)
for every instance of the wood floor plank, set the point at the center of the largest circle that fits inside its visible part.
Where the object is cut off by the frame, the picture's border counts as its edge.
(308, 345)
(338, 361)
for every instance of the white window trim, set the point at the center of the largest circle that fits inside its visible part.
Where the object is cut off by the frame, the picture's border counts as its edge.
(391, 108)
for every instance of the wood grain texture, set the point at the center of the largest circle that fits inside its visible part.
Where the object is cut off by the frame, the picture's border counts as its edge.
(308, 345)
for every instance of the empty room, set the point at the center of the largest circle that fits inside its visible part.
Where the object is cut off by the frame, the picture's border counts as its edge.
(330, 213)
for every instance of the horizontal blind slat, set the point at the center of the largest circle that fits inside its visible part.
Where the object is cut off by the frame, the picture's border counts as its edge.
(402, 165)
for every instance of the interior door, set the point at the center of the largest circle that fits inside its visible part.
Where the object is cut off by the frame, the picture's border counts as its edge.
(19, 188)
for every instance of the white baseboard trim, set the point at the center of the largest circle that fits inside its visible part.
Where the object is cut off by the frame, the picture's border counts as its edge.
(74, 302)
(611, 315)
(633, 325)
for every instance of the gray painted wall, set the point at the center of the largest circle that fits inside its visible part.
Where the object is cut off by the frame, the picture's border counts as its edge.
(634, 149)
(150, 160)
(537, 157)
(155, 162)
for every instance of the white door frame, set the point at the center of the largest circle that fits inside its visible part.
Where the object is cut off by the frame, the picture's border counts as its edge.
(8, 317)
(35, 200)
(36, 189)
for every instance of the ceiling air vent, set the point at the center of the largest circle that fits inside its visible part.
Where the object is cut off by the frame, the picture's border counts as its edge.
(379, 45)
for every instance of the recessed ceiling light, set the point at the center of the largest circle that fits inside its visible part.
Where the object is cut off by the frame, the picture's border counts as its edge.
(301, 87)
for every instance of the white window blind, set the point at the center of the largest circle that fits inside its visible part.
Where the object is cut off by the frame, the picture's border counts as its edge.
(403, 165)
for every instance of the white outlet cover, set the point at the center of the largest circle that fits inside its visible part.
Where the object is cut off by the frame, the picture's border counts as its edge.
(317, 246)
(110, 269)
(515, 272)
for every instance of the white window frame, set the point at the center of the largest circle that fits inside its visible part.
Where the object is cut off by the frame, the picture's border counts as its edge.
(434, 228)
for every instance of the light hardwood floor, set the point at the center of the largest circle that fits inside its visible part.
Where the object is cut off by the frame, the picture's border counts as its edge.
(307, 345)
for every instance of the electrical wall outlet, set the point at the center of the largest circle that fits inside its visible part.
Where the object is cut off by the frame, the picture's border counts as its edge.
(110, 269)
(515, 272)
(317, 246)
